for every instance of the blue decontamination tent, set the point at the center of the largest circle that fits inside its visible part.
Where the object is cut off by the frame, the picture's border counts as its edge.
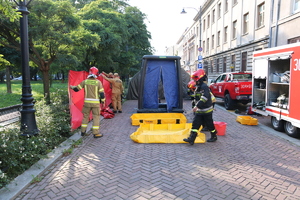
(167, 71)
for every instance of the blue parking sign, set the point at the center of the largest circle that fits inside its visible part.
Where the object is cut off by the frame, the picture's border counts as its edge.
(200, 66)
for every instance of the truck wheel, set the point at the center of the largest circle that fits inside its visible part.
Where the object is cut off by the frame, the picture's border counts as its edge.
(229, 103)
(277, 124)
(291, 130)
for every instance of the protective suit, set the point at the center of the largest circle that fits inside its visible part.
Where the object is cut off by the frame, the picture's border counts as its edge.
(117, 90)
(93, 96)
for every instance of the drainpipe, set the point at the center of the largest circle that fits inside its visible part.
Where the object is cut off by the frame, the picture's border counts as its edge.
(271, 22)
(276, 30)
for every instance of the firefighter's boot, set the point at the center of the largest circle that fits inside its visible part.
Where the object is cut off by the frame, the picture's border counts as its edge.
(213, 137)
(191, 139)
(98, 135)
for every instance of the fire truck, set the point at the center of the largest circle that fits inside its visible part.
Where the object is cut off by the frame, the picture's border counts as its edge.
(276, 87)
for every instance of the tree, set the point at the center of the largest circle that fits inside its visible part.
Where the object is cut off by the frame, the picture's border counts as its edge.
(51, 25)
(124, 37)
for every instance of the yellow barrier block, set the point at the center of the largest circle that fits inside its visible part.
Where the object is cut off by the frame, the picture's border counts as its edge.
(165, 133)
(247, 120)
(157, 118)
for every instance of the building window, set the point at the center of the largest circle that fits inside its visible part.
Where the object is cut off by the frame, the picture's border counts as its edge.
(217, 64)
(294, 40)
(244, 61)
(219, 10)
(297, 5)
(203, 46)
(214, 16)
(212, 41)
(245, 23)
(225, 34)
(211, 66)
(260, 15)
(234, 29)
(207, 45)
(226, 6)
(219, 38)
(204, 24)
(224, 64)
(208, 20)
(232, 66)
(234, 2)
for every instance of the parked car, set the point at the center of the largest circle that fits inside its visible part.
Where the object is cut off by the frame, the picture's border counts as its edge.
(233, 87)
(11, 77)
(18, 78)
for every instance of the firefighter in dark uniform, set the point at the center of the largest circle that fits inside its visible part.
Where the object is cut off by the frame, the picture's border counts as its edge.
(203, 109)
(93, 96)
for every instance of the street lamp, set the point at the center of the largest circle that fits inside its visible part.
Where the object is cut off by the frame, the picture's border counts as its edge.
(200, 35)
(198, 11)
(28, 122)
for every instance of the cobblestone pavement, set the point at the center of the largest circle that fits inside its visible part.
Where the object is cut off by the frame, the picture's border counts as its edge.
(247, 163)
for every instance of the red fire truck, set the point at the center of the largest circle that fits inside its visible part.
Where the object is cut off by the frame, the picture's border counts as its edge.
(275, 92)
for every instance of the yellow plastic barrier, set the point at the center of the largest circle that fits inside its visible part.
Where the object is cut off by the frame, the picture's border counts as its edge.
(247, 120)
(165, 133)
(157, 118)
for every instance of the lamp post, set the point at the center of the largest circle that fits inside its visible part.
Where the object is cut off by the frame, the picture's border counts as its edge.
(200, 34)
(28, 122)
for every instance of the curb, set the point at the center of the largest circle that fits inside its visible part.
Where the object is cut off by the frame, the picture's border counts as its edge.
(269, 130)
(19, 184)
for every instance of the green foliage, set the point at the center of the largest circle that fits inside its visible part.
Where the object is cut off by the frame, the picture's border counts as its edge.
(10, 99)
(6, 7)
(75, 35)
(36, 179)
(18, 153)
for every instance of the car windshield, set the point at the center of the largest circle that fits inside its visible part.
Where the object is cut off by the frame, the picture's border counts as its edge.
(242, 76)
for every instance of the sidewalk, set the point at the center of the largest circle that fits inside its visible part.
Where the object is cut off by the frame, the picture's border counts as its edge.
(249, 162)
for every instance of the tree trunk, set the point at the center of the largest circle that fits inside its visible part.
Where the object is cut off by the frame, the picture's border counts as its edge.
(45, 68)
(8, 82)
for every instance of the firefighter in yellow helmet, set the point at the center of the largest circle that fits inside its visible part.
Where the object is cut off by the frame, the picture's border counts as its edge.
(117, 90)
(203, 109)
(93, 96)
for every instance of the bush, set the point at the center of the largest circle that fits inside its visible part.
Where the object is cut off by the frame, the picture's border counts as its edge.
(18, 153)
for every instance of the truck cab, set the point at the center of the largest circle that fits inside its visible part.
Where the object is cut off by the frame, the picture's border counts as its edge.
(233, 87)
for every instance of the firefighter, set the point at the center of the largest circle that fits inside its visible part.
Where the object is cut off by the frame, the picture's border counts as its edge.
(203, 109)
(93, 96)
(196, 96)
(117, 91)
(191, 90)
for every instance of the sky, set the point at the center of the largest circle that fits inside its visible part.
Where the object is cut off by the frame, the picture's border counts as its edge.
(164, 21)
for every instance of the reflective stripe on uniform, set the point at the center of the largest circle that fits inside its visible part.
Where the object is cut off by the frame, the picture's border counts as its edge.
(89, 100)
(203, 98)
(95, 127)
(205, 110)
(84, 125)
(194, 130)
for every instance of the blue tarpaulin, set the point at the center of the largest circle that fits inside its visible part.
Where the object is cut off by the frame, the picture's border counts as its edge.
(165, 72)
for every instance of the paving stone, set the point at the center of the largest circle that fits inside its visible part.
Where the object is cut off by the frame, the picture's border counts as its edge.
(248, 162)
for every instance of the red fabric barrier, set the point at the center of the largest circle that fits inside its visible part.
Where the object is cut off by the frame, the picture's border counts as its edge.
(76, 99)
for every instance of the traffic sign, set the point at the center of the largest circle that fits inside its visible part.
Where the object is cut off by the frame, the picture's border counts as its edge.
(200, 66)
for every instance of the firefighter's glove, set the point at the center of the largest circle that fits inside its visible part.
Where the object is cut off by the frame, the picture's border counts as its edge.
(102, 97)
(74, 88)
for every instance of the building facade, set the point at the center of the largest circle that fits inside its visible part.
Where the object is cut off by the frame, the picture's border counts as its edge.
(226, 32)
